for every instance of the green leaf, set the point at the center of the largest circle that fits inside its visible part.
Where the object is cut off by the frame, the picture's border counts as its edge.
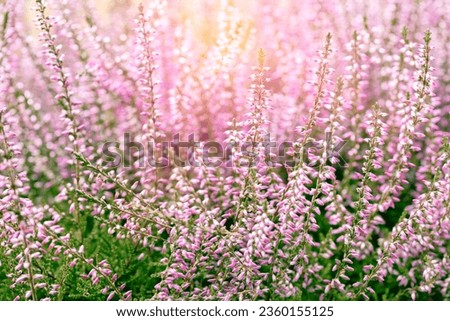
(5, 20)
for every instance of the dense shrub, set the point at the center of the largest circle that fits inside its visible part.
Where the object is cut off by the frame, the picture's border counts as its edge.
(143, 157)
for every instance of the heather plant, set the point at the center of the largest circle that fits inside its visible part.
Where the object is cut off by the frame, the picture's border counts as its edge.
(212, 150)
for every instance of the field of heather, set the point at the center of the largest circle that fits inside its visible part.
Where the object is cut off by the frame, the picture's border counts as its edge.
(224, 150)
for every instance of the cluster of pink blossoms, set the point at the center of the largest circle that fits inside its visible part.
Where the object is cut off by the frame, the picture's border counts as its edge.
(314, 163)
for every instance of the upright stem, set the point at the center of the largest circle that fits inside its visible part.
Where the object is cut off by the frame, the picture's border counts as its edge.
(17, 207)
(66, 101)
